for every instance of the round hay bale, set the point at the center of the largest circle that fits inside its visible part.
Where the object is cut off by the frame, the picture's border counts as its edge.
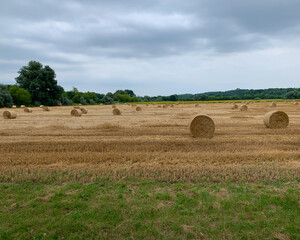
(244, 108)
(76, 107)
(9, 115)
(46, 109)
(159, 106)
(165, 105)
(273, 104)
(138, 109)
(276, 119)
(80, 104)
(41, 106)
(172, 105)
(202, 126)
(295, 103)
(14, 106)
(76, 113)
(197, 105)
(83, 110)
(22, 106)
(28, 110)
(234, 106)
(117, 111)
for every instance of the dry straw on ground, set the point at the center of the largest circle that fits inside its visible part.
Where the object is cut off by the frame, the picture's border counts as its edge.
(202, 126)
(154, 144)
(9, 115)
(47, 109)
(138, 109)
(117, 111)
(276, 119)
(295, 103)
(76, 107)
(273, 104)
(244, 108)
(76, 113)
(234, 106)
(83, 110)
(113, 106)
(28, 110)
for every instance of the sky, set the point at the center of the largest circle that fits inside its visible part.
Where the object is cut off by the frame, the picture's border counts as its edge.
(157, 47)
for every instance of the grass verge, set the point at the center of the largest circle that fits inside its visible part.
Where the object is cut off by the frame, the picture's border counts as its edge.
(106, 209)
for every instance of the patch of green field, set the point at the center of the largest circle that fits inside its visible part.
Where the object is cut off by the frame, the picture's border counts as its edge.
(150, 210)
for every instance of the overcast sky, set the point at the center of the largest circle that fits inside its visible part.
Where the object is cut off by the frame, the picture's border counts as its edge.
(155, 47)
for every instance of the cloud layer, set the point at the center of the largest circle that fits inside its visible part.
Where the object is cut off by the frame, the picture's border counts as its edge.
(154, 47)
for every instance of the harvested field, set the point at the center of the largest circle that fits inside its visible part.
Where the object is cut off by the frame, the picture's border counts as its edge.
(154, 144)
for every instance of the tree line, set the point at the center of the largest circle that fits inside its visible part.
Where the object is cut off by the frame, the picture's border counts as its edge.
(36, 85)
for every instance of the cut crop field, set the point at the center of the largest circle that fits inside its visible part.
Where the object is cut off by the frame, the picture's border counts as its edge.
(153, 143)
(141, 174)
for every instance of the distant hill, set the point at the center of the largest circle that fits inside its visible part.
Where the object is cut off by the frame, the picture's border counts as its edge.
(270, 93)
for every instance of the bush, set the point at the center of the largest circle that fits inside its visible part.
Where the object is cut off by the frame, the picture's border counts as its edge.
(82, 101)
(5, 98)
(65, 101)
(107, 100)
(19, 95)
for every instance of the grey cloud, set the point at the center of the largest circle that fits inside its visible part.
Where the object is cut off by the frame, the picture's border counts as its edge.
(71, 34)
(149, 28)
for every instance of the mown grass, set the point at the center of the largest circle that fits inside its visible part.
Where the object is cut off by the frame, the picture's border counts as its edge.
(131, 209)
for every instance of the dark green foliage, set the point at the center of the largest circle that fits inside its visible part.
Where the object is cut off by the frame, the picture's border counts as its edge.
(243, 94)
(82, 100)
(107, 100)
(40, 83)
(5, 98)
(65, 101)
(292, 95)
(20, 95)
(125, 92)
(80, 97)
(174, 97)
(99, 96)
(203, 97)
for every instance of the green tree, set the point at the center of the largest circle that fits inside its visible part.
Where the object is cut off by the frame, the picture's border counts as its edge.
(20, 95)
(174, 97)
(147, 98)
(129, 92)
(122, 98)
(40, 83)
(107, 100)
(204, 97)
(292, 95)
(5, 98)
(110, 95)
(196, 98)
(90, 96)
